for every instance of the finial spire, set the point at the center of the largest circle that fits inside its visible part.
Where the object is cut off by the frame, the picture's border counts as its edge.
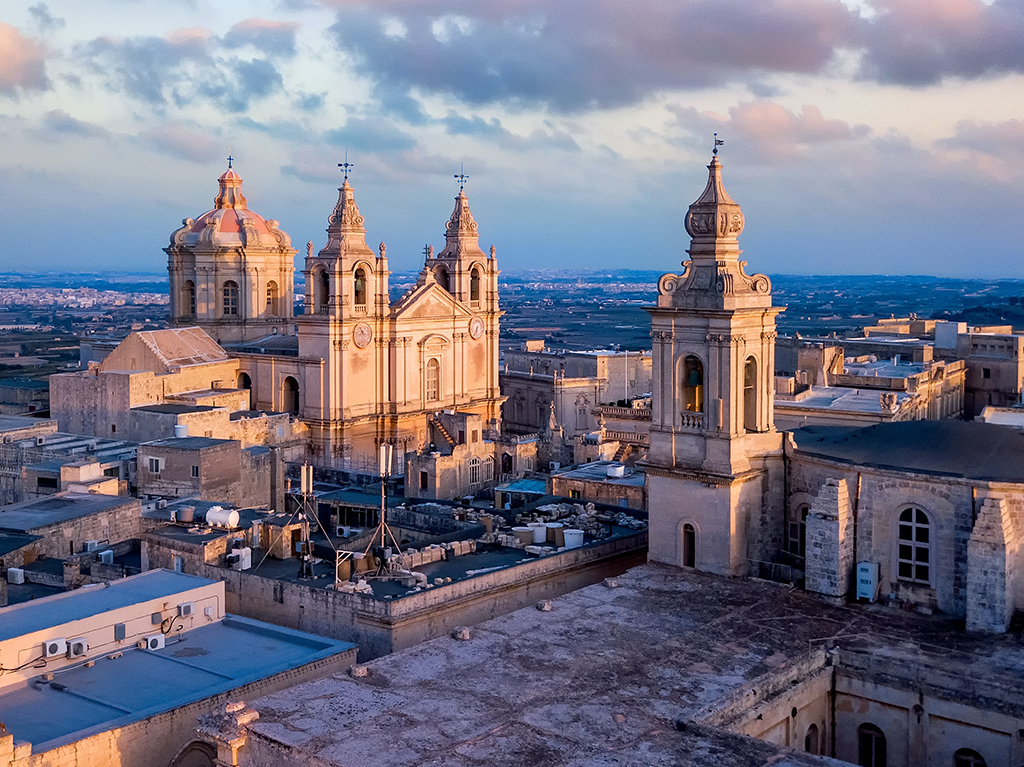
(718, 143)
(230, 158)
(461, 177)
(346, 166)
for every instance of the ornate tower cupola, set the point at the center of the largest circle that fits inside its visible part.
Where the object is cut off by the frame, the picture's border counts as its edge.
(713, 332)
(346, 277)
(461, 267)
(231, 270)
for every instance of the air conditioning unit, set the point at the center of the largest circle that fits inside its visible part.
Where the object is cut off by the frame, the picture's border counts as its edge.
(152, 642)
(554, 466)
(77, 648)
(867, 581)
(161, 504)
(40, 441)
(107, 557)
(15, 575)
(53, 648)
(244, 558)
(185, 609)
(92, 545)
(344, 531)
(231, 560)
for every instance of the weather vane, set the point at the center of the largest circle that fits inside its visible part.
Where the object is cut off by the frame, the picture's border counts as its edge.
(461, 177)
(230, 158)
(718, 143)
(346, 166)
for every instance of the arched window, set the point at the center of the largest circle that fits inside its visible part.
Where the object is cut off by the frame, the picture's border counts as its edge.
(441, 276)
(966, 757)
(474, 471)
(230, 299)
(488, 470)
(188, 297)
(689, 546)
(272, 299)
(914, 555)
(693, 385)
(474, 284)
(811, 740)
(291, 395)
(323, 292)
(750, 395)
(244, 381)
(796, 531)
(506, 463)
(870, 746)
(359, 287)
(433, 380)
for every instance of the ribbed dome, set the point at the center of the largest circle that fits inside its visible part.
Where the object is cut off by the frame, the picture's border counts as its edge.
(230, 223)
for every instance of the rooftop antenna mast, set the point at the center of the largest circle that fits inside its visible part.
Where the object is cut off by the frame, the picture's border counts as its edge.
(383, 531)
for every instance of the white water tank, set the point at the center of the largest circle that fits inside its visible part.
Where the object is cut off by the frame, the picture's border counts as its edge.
(218, 516)
(616, 470)
(180, 430)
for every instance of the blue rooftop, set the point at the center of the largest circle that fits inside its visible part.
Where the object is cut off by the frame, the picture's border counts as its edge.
(40, 614)
(119, 690)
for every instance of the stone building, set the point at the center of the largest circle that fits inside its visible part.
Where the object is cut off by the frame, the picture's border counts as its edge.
(576, 382)
(926, 511)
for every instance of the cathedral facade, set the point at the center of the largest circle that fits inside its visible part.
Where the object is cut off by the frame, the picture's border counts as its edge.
(357, 368)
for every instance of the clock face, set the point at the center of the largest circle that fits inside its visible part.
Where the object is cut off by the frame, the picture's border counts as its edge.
(476, 327)
(362, 334)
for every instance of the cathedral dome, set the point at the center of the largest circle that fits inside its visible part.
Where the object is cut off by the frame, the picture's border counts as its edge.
(230, 223)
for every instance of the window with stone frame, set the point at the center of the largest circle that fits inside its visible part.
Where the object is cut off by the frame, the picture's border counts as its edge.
(871, 747)
(913, 559)
(474, 471)
(433, 380)
(966, 757)
(230, 299)
(796, 532)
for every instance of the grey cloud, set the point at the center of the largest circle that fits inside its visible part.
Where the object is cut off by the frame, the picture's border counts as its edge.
(274, 38)
(46, 21)
(493, 130)
(369, 136)
(59, 121)
(922, 43)
(182, 67)
(586, 54)
(310, 102)
(1004, 140)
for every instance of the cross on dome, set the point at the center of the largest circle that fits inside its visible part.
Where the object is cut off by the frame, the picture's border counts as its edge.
(461, 177)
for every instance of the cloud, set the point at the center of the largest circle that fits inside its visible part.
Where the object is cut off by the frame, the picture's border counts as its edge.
(22, 62)
(59, 121)
(493, 130)
(1003, 140)
(365, 135)
(310, 102)
(183, 141)
(922, 42)
(586, 54)
(182, 66)
(767, 132)
(47, 22)
(274, 38)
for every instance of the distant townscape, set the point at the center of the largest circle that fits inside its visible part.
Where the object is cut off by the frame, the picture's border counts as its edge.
(257, 516)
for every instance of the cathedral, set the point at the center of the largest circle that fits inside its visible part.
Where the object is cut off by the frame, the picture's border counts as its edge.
(358, 369)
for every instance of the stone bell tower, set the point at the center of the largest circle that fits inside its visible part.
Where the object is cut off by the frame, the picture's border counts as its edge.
(714, 471)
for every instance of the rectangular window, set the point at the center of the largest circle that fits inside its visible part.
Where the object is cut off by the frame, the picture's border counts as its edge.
(424, 480)
(154, 465)
(576, 494)
(986, 372)
(50, 483)
(195, 472)
(474, 436)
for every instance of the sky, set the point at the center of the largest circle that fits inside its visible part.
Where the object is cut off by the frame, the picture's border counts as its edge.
(861, 136)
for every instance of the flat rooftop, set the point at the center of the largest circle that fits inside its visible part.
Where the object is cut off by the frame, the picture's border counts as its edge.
(197, 664)
(174, 408)
(189, 443)
(53, 509)
(883, 369)
(18, 422)
(597, 471)
(12, 541)
(92, 600)
(839, 398)
(951, 448)
(605, 676)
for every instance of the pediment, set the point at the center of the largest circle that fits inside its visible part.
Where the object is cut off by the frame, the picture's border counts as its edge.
(430, 301)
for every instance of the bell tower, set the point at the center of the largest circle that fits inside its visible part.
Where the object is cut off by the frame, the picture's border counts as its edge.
(714, 470)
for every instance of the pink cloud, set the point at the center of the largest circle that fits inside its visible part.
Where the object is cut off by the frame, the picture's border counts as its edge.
(22, 62)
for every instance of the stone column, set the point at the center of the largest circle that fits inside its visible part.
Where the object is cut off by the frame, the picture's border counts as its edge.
(226, 730)
(989, 589)
(829, 551)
